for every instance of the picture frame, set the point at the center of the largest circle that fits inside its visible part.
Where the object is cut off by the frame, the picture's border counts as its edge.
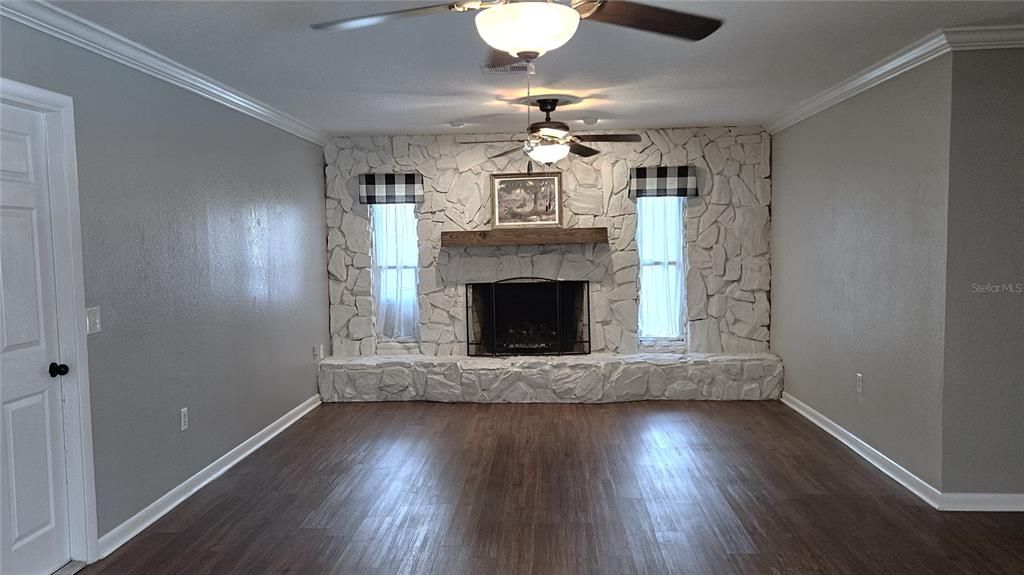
(526, 200)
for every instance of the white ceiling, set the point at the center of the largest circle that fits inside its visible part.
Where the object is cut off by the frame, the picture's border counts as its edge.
(417, 75)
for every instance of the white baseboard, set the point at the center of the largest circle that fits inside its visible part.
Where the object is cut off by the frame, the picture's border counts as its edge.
(120, 535)
(982, 502)
(916, 485)
(905, 478)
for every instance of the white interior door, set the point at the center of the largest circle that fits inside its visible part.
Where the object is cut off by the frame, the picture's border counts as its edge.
(34, 507)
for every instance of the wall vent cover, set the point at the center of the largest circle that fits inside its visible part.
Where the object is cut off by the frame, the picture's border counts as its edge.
(513, 68)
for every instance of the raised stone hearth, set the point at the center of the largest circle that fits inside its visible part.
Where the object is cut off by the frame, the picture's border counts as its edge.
(596, 378)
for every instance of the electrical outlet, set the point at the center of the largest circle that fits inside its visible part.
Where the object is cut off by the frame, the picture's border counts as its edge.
(184, 418)
(318, 352)
(860, 383)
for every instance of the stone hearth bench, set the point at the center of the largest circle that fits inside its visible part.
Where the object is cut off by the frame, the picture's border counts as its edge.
(594, 378)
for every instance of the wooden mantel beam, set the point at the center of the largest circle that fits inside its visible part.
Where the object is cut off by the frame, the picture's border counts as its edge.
(524, 237)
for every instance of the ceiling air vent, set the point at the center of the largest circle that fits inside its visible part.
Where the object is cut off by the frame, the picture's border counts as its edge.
(513, 68)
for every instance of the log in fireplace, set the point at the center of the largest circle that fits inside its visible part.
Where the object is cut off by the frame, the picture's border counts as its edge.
(528, 316)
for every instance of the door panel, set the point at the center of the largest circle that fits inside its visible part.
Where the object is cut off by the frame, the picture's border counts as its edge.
(22, 316)
(34, 510)
(28, 444)
(16, 157)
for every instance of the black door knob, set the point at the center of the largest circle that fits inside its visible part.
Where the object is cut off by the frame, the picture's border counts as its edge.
(58, 369)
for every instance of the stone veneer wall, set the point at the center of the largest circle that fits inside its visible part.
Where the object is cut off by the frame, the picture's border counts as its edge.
(727, 231)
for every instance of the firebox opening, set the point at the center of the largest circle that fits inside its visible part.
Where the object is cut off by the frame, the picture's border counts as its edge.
(528, 316)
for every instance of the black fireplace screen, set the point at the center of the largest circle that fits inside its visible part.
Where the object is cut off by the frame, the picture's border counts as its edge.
(528, 316)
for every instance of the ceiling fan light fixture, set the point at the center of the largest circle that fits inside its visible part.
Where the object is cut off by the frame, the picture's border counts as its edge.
(546, 153)
(527, 27)
(552, 133)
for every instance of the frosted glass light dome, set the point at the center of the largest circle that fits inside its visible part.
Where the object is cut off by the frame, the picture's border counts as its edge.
(527, 27)
(547, 153)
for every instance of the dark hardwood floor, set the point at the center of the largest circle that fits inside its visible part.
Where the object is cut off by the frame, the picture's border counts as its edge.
(654, 487)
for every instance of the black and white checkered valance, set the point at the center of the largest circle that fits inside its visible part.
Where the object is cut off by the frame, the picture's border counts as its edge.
(663, 181)
(390, 188)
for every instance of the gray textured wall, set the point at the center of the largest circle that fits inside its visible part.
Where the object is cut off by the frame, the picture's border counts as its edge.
(202, 232)
(859, 255)
(983, 397)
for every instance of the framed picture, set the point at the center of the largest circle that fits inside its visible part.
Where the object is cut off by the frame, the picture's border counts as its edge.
(527, 200)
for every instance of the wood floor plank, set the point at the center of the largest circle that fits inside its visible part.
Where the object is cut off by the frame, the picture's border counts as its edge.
(646, 487)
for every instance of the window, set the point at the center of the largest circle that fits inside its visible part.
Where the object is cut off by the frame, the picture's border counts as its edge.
(395, 269)
(659, 239)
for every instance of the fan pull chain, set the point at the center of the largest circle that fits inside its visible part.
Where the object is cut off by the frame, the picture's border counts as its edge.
(529, 106)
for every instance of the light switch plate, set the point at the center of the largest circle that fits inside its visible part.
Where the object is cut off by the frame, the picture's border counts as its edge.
(92, 320)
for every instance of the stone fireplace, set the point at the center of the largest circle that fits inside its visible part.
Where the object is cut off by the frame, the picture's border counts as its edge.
(727, 231)
(528, 316)
(466, 351)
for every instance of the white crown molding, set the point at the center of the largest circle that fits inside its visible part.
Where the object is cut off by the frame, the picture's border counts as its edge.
(984, 37)
(931, 46)
(61, 24)
(916, 485)
(121, 534)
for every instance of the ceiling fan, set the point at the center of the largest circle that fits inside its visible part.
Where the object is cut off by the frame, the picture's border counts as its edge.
(549, 141)
(525, 30)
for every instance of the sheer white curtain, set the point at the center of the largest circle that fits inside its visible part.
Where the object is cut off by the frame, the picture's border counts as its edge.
(659, 239)
(395, 263)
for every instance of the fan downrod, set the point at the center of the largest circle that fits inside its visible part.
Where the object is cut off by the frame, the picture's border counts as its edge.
(547, 105)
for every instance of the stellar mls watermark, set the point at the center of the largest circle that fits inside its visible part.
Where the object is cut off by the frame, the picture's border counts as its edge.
(997, 288)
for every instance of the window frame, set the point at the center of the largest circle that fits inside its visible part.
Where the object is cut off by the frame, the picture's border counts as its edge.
(665, 344)
(376, 269)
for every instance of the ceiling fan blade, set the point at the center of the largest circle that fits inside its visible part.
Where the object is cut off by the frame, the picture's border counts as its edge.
(506, 141)
(505, 153)
(581, 150)
(499, 59)
(374, 19)
(608, 137)
(655, 19)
